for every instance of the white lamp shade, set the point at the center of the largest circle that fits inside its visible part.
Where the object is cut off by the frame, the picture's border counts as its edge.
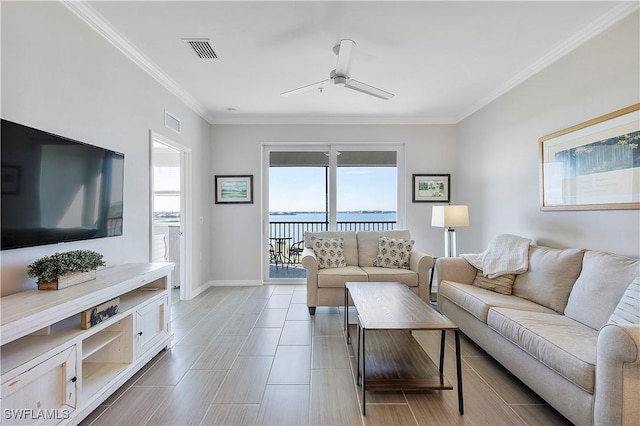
(449, 216)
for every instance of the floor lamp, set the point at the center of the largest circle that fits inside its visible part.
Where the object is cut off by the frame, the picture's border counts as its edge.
(449, 217)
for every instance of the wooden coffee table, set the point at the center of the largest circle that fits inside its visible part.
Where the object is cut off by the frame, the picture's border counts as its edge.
(389, 358)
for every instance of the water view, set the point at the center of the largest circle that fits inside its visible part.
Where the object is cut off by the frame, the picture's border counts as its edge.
(355, 216)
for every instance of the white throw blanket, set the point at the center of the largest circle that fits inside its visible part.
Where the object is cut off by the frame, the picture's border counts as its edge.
(506, 254)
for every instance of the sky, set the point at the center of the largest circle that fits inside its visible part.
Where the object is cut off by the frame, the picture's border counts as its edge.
(303, 188)
(359, 188)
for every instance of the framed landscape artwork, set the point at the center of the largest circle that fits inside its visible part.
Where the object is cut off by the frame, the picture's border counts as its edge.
(594, 165)
(431, 188)
(234, 189)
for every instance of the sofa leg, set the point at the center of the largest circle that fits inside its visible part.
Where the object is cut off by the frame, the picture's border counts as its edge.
(312, 310)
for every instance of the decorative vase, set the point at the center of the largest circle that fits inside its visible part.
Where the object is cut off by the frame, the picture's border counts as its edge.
(67, 280)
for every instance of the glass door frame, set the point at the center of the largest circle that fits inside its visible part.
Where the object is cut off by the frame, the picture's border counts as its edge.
(333, 148)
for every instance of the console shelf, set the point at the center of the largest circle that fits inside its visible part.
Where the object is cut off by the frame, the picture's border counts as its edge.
(98, 341)
(49, 364)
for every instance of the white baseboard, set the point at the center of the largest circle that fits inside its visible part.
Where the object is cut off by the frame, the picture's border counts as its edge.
(231, 283)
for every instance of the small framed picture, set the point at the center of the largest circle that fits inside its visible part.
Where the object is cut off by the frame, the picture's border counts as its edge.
(431, 188)
(234, 189)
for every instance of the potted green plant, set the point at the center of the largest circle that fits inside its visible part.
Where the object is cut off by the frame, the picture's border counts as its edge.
(63, 270)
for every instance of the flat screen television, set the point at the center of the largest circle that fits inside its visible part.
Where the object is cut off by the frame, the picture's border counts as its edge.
(55, 189)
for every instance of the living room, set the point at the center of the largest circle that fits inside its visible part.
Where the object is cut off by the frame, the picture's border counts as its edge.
(60, 75)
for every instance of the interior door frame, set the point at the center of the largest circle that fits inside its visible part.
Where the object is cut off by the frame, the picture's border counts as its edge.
(186, 257)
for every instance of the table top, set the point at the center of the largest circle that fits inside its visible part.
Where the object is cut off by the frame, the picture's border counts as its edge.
(392, 306)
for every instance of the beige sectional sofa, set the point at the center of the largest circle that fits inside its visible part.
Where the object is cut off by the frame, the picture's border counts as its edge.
(569, 330)
(325, 286)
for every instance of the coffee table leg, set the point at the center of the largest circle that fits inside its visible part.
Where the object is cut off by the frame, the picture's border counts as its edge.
(346, 313)
(358, 358)
(364, 375)
(459, 368)
(442, 341)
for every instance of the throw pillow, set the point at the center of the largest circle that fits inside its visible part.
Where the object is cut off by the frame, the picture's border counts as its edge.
(550, 277)
(628, 309)
(330, 252)
(602, 282)
(502, 284)
(393, 253)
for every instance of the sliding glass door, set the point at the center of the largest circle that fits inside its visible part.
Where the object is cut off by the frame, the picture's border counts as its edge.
(325, 188)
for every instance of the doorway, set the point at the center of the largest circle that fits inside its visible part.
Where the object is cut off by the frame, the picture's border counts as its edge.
(170, 231)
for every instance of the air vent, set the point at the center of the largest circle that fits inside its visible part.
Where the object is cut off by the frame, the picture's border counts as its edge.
(171, 122)
(201, 47)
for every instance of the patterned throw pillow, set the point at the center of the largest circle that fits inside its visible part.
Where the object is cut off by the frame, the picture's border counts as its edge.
(628, 309)
(330, 252)
(393, 253)
(502, 284)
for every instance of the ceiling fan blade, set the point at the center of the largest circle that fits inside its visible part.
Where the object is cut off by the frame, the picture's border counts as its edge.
(369, 90)
(344, 57)
(302, 89)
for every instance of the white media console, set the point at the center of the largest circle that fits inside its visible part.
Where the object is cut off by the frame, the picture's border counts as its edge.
(53, 371)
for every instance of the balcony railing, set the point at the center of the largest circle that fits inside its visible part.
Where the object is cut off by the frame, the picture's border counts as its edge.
(296, 230)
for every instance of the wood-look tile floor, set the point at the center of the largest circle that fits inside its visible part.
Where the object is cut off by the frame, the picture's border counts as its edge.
(254, 356)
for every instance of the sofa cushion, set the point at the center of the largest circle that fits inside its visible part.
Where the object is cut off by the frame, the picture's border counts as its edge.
(393, 253)
(599, 288)
(477, 301)
(336, 277)
(404, 276)
(329, 252)
(550, 277)
(628, 309)
(350, 243)
(562, 344)
(368, 244)
(501, 284)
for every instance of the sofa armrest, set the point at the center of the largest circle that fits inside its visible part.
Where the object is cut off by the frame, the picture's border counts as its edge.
(455, 269)
(310, 263)
(617, 375)
(421, 263)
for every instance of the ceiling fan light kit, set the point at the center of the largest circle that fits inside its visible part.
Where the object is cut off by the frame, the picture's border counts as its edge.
(340, 75)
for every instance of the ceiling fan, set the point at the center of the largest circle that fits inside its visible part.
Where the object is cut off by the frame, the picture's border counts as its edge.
(341, 77)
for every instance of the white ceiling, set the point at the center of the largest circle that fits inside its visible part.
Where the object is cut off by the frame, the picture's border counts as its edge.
(442, 60)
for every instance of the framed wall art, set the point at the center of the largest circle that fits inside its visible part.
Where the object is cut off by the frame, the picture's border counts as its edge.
(433, 188)
(234, 189)
(593, 165)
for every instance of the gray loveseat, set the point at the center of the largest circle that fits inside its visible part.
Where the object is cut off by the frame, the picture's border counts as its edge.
(569, 330)
(325, 286)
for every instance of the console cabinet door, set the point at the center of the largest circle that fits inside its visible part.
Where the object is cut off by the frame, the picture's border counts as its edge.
(44, 394)
(152, 324)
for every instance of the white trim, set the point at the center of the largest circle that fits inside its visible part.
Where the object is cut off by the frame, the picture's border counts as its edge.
(186, 209)
(92, 18)
(234, 283)
(328, 119)
(596, 27)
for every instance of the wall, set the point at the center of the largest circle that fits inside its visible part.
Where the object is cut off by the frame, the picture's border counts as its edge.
(498, 148)
(237, 149)
(59, 75)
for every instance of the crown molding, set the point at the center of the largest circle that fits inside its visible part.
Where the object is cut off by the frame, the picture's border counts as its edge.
(596, 27)
(335, 119)
(92, 18)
